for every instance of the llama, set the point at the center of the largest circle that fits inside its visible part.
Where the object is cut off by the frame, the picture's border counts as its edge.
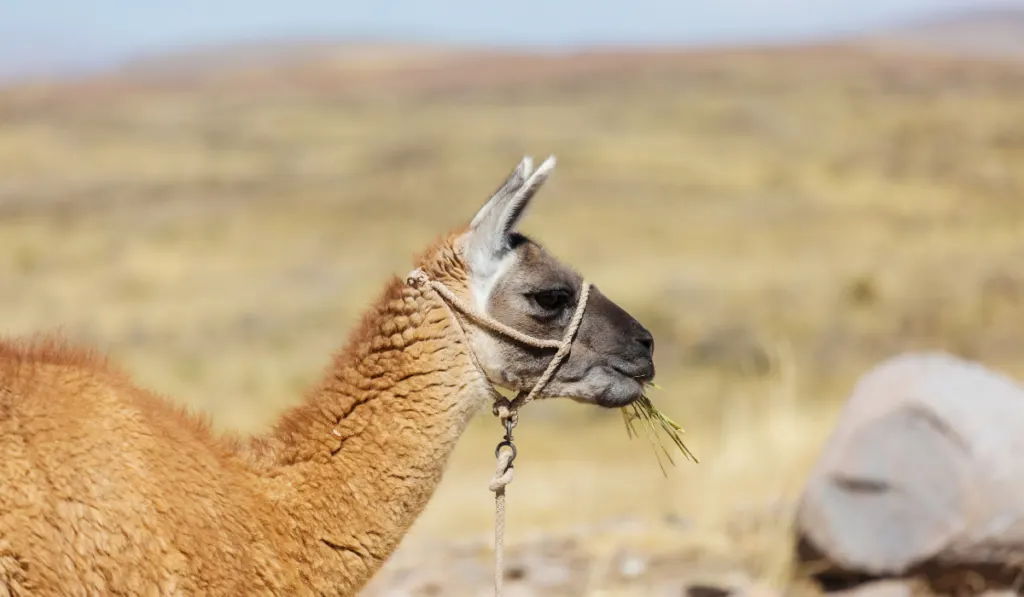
(108, 489)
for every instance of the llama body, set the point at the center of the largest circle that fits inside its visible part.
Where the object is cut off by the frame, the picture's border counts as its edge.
(118, 492)
(108, 489)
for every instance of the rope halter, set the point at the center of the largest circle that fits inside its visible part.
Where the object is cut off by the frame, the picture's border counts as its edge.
(504, 408)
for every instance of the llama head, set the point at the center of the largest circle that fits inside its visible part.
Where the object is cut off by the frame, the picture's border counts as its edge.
(515, 281)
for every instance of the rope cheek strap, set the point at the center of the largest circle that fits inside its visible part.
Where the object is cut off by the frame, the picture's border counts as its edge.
(507, 410)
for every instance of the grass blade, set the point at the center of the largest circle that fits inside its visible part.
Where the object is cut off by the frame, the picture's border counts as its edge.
(654, 420)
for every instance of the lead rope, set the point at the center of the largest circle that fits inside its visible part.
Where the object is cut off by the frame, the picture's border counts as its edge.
(507, 410)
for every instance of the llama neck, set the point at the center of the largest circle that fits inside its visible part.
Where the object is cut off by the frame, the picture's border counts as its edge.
(358, 461)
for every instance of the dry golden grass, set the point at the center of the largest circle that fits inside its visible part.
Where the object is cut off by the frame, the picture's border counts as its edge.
(781, 221)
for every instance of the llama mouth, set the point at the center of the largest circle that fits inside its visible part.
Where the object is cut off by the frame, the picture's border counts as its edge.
(628, 389)
(611, 389)
(641, 374)
(620, 399)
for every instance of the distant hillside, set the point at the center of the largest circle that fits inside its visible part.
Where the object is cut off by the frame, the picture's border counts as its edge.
(284, 55)
(978, 33)
(991, 34)
(342, 67)
(337, 64)
(24, 57)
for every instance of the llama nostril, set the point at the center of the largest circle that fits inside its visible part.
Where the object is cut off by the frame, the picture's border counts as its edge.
(645, 339)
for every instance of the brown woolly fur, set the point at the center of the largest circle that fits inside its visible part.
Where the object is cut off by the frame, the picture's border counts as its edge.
(108, 489)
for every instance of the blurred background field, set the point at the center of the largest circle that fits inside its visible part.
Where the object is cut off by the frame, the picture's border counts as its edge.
(781, 217)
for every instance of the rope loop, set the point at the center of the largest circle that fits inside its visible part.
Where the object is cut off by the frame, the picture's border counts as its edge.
(507, 441)
(503, 471)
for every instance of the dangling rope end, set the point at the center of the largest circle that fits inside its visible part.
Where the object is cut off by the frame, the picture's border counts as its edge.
(504, 472)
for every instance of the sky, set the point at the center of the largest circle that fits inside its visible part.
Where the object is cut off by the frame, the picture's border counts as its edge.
(40, 34)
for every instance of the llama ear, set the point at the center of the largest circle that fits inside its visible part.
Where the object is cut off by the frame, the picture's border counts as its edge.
(492, 226)
(507, 189)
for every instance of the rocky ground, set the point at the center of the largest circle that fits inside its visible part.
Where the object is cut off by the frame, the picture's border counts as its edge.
(624, 557)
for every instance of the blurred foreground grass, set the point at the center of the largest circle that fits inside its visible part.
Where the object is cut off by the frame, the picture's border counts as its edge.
(781, 221)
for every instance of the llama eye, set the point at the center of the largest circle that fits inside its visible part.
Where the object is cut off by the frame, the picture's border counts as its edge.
(551, 300)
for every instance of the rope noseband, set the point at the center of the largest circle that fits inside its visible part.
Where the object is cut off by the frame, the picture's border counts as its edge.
(507, 410)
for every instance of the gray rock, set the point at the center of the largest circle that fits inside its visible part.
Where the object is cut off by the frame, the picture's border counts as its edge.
(926, 464)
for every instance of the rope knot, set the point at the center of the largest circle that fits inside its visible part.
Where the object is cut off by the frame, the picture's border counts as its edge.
(503, 472)
(505, 453)
(503, 409)
(416, 278)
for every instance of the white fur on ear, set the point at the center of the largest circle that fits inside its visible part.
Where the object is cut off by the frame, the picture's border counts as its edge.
(491, 227)
(511, 185)
(486, 246)
(514, 208)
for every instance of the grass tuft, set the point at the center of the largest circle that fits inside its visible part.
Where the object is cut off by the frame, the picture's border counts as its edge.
(653, 420)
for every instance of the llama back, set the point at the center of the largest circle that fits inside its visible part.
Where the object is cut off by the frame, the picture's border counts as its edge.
(98, 473)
